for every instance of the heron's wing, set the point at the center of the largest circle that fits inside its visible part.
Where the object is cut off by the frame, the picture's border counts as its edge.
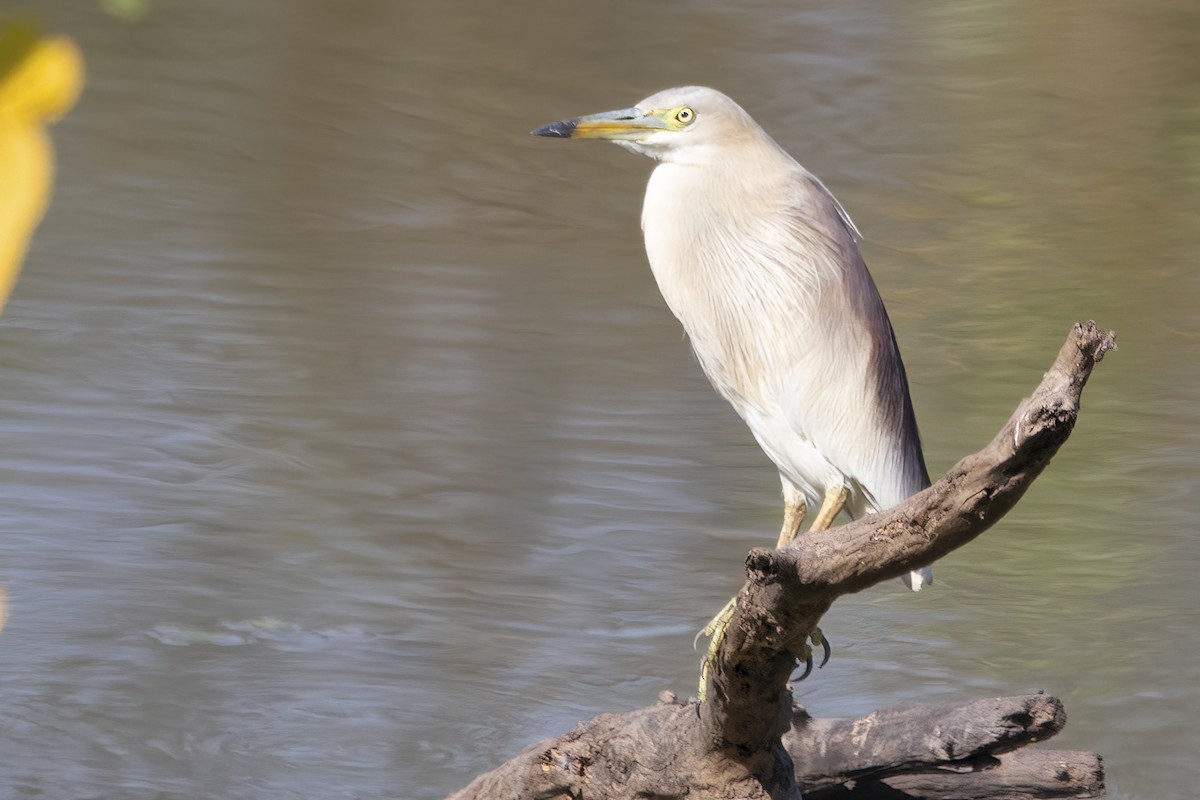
(846, 389)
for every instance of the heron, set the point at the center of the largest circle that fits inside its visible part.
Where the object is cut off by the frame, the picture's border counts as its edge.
(760, 264)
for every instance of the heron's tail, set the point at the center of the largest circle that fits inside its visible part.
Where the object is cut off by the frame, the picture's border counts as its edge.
(918, 578)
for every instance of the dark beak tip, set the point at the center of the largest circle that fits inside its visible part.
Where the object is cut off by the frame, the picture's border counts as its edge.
(556, 130)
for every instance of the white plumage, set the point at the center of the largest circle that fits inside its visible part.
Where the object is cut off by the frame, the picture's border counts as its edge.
(759, 263)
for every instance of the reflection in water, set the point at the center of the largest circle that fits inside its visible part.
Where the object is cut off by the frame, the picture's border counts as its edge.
(318, 355)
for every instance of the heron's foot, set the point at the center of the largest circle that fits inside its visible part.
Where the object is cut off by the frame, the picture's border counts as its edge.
(715, 631)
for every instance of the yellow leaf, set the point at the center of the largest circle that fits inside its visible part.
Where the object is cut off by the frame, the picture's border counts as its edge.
(40, 79)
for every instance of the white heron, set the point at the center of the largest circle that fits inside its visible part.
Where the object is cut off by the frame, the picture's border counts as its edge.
(759, 262)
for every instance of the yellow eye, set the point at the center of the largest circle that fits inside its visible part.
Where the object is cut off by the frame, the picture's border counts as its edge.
(685, 116)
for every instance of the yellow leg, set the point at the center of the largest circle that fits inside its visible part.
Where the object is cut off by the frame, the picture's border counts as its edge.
(835, 500)
(794, 510)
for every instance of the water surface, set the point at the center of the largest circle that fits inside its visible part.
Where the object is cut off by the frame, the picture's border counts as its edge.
(348, 447)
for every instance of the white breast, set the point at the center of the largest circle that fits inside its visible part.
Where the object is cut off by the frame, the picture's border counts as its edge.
(751, 310)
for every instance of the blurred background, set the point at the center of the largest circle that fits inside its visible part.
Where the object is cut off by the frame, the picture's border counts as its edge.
(346, 446)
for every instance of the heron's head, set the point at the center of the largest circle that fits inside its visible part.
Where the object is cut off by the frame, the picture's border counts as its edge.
(689, 124)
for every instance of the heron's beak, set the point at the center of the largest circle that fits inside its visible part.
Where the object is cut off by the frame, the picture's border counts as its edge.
(626, 123)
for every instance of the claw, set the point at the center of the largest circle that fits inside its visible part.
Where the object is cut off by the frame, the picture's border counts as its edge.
(819, 638)
(808, 665)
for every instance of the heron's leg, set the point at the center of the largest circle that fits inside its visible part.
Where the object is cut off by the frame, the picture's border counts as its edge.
(794, 509)
(835, 500)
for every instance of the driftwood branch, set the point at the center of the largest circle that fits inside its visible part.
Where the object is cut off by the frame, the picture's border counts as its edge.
(1021, 775)
(912, 739)
(962, 751)
(965, 750)
(734, 745)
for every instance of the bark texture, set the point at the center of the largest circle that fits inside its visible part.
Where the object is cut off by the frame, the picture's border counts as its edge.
(748, 741)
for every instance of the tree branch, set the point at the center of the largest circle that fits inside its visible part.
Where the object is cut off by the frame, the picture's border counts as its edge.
(1024, 774)
(829, 752)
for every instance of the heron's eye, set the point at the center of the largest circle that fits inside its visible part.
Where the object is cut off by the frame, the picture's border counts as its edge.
(685, 116)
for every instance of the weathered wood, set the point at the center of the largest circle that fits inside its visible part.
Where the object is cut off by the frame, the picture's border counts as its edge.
(828, 752)
(645, 753)
(654, 752)
(734, 746)
(1020, 775)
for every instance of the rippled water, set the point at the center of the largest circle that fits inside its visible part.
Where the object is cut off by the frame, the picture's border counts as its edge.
(347, 446)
